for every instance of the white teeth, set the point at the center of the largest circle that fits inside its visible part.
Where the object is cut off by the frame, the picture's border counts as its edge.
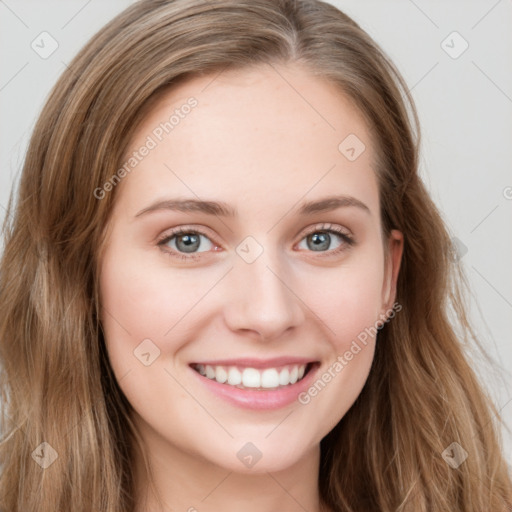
(234, 376)
(251, 378)
(268, 378)
(221, 375)
(210, 372)
(284, 377)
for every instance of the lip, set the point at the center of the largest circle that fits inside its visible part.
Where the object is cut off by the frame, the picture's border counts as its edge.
(260, 400)
(257, 363)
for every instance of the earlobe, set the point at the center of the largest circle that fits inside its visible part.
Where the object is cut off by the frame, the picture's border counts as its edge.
(394, 259)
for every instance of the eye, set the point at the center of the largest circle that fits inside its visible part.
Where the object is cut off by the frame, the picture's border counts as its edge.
(185, 242)
(319, 239)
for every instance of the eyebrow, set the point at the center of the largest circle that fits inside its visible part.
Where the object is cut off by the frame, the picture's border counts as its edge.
(222, 209)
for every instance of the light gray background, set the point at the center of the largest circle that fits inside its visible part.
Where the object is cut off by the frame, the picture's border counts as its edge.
(464, 103)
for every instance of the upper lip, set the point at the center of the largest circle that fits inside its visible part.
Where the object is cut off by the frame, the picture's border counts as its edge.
(258, 363)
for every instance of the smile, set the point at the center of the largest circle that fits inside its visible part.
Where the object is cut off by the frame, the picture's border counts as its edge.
(253, 378)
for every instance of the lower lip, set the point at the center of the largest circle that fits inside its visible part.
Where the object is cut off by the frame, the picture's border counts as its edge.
(260, 400)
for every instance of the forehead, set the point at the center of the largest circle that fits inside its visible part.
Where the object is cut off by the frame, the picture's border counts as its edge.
(255, 137)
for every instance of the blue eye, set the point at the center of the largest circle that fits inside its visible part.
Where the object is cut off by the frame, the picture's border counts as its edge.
(185, 243)
(320, 239)
(188, 241)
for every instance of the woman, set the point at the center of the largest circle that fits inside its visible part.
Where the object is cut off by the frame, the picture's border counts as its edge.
(224, 283)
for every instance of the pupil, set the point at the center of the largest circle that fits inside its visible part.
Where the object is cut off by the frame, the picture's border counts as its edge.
(191, 242)
(322, 238)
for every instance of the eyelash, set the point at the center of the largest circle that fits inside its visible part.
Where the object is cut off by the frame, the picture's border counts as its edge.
(348, 241)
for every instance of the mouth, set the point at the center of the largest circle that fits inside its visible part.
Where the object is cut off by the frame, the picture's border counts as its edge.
(247, 377)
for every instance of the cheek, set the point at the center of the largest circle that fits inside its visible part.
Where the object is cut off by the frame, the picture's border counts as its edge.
(142, 299)
(139, 306)
(150, 311)
(136, 306)
(347, 299)
(349, 305)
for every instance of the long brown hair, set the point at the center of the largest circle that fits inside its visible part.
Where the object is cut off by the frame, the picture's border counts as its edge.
(57, 386)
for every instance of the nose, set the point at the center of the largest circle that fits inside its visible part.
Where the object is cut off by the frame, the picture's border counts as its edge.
(261, 299)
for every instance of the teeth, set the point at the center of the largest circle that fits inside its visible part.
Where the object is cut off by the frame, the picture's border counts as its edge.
(251, 378)
(294, 375)
(221, 375)
(234, 376)
(269, 378)
(284, 377)
(210, 372)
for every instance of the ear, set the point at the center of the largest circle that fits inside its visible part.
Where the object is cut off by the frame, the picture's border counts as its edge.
(395, 246)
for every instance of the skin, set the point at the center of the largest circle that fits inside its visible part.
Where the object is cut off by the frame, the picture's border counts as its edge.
(264, 148)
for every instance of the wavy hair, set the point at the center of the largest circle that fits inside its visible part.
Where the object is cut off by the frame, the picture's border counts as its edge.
(57, 386)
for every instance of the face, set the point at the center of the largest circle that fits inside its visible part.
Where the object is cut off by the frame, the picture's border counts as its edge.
(240, 323)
